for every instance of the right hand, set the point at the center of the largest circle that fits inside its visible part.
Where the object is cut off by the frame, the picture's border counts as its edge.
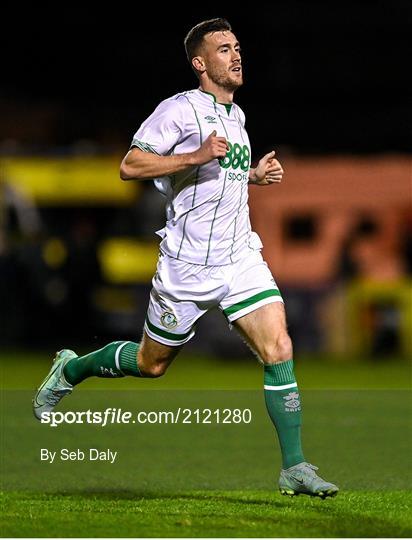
(212, 148)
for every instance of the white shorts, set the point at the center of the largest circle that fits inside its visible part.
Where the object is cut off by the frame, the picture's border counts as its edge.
(183, 292)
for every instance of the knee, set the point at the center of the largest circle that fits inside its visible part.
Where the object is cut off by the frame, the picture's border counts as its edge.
(284, 347)
(278, 351)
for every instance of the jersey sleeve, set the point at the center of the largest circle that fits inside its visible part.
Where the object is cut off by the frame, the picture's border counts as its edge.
(162, 130)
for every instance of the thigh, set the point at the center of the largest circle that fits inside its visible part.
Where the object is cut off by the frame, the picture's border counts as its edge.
(182, 293)
(263, 327)
(251, 287)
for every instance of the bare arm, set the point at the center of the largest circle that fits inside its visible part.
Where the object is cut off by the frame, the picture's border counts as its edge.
(139, 165)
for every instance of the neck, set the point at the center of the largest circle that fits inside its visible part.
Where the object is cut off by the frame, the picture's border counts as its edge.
(222, 95)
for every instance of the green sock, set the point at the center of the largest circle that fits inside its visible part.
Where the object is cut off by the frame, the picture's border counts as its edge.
(283, 405)
(117, 359)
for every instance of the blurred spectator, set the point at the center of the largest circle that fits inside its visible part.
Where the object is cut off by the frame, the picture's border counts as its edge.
(81, 273)
(373, 252)
(20, 230)
(348, 263)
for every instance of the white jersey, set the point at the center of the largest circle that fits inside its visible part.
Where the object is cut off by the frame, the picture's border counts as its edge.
(207, 206)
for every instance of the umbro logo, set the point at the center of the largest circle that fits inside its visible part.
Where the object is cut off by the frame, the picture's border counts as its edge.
(211, 119)
(292, 402)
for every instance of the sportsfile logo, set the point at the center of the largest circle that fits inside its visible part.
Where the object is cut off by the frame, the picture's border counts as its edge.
(292, 402)
(181, 415)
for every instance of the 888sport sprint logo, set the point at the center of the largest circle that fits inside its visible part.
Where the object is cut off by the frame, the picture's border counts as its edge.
(237, 157)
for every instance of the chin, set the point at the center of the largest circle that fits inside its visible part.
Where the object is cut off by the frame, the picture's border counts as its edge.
(238, 82)
(234, 84)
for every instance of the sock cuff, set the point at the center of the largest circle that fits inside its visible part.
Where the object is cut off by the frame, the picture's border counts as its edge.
(281, 373)
(127, 359)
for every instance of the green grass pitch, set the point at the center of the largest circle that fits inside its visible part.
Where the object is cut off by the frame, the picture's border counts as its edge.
(210, 480)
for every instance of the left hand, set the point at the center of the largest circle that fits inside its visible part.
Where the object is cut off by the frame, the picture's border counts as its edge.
(268, 170)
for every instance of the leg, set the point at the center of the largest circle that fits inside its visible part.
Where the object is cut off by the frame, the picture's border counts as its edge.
(265, 331)
(153, 358)
(117, 359)
(149, 358)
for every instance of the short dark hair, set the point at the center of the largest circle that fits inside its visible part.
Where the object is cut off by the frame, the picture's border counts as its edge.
(195, 36)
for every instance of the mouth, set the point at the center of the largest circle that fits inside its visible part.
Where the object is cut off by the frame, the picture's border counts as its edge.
(237, 69)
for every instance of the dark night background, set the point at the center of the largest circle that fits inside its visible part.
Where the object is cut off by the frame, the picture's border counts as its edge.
(319, 76)
(322, 80)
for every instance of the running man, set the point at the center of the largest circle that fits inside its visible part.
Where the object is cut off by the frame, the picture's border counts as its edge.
(197, 150)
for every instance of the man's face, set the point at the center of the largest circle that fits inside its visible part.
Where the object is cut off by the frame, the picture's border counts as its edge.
(221, 55)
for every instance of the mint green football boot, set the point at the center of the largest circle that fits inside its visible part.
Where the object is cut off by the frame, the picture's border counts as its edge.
(54, 387)
(301, 478)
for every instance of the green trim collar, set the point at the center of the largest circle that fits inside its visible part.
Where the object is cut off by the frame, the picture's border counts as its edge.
(228, 106)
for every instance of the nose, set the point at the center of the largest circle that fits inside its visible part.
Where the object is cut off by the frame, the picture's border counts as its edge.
(235, 56)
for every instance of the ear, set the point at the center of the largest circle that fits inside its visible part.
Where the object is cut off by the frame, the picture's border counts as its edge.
(198, 64)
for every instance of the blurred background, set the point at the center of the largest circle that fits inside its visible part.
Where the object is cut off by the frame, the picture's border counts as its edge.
(329, 89)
